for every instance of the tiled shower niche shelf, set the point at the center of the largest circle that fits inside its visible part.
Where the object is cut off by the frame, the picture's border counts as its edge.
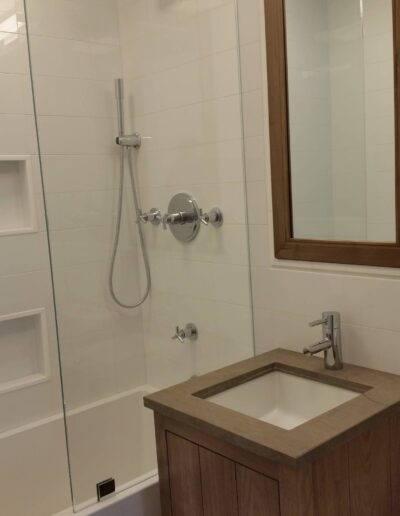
(17, 201)
(24, 353)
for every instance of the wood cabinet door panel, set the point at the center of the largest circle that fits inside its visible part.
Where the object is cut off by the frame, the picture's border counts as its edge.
(331, 483)
(184, 477)
(258, 495)
(218, 479)
(369, 471)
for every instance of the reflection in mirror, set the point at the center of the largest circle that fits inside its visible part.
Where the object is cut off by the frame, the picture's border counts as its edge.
(341, 119)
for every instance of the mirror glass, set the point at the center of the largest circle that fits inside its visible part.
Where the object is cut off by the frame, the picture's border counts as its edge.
(341, 119)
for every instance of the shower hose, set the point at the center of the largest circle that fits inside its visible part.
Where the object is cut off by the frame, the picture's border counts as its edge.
(126, 153)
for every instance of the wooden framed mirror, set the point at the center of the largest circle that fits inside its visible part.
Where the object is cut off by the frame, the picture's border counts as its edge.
(333, 89)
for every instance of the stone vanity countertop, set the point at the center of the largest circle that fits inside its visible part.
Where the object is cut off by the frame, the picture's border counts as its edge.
(185, 402)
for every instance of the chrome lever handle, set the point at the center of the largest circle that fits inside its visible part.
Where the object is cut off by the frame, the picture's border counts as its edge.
(189, 332)
(143, 217)
(318, 322)
(203, 217)
(179, 335)
(164, 221)
(213, 217)
(153, 216)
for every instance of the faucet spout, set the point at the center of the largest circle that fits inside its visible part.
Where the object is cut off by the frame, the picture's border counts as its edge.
(331, 343)
(322, 345)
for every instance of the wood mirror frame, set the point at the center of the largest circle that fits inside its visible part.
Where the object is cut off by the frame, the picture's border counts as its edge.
(287, 247)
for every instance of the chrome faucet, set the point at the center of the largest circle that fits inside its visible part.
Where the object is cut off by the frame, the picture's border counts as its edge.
(331, 342)
(188, 332)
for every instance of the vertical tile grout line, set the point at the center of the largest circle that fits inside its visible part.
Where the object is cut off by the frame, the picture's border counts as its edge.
(35, 116)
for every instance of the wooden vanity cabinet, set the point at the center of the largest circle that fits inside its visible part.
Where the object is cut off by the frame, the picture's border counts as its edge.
(201, 475)
(204, 482)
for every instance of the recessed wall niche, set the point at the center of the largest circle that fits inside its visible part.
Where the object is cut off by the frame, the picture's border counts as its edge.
(24, 354)
(17, 202)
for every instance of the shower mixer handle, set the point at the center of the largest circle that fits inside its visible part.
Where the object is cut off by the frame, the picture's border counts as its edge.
(188, 332)
(153, 216)
(178, 219)
(213, 217)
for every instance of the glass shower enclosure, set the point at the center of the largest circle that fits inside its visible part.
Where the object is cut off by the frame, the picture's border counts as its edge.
(179, 60)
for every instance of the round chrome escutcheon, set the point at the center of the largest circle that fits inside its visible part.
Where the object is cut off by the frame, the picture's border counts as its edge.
(183, 202)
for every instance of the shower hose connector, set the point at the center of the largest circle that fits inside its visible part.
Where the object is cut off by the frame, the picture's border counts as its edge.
(129, 140)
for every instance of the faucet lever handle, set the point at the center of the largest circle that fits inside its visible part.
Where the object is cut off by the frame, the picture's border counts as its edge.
(203, 217)
(179, 335)
(165, 221)
(318, 322)
(188, 332)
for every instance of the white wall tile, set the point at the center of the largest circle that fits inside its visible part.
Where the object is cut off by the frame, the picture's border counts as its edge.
(82, 135)
(13, 53)
(15, 94)
(181, 65)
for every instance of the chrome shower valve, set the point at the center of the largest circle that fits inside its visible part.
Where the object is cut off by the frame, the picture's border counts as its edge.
(188, 332)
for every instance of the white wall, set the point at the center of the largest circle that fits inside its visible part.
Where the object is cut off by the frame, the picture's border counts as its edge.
(181, 67)
(288, 295)
(32, 454)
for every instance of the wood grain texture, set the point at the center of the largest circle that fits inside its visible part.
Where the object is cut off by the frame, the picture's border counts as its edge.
(359, 478)
(278, 122)
(396, 55)
(395, 461)
(232, 452)
(184, 403)
(369, 466)
(218, 480)
(296, 491)
(257, 495)
(330, 476)
(184, 477)
(162, 461)
(286, 246)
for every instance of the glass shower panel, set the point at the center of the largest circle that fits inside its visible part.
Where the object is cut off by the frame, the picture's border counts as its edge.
(179, 62)
(32, 437)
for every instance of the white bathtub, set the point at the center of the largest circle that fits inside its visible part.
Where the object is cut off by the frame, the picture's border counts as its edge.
(111, 437)
(141, 500)
(129, 456)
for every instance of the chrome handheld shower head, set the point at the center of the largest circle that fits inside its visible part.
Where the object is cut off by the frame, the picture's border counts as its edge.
(119, 97)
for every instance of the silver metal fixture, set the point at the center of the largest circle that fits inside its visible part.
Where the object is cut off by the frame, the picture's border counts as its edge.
(184, 217)
(119, 98)
(213, 217)
(153, 216)
(188, 332)
(124, 140)
(331, 342)
(127, 142)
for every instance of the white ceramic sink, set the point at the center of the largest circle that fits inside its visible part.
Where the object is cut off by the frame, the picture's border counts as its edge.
(283, 399)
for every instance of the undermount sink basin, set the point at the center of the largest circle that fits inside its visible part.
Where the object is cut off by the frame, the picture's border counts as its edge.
(283, 399)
